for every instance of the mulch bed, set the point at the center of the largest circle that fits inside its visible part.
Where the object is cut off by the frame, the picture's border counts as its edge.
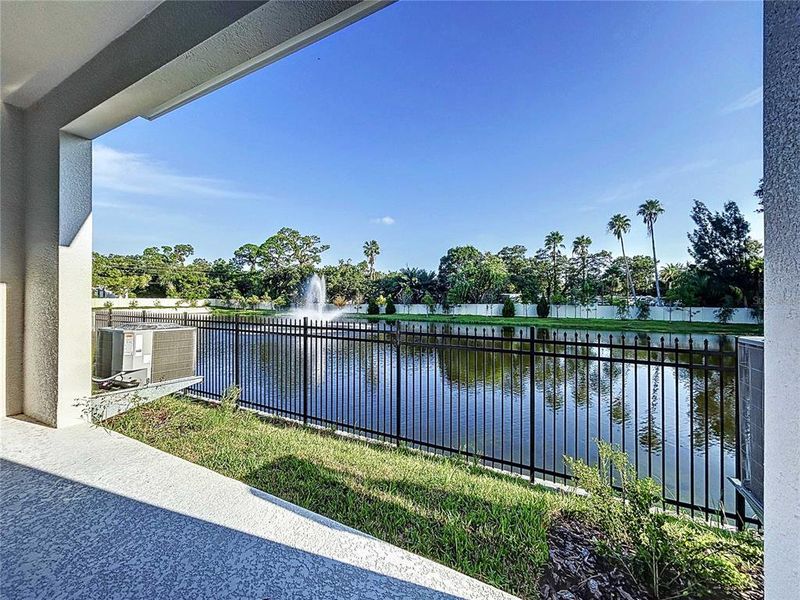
(576, 570)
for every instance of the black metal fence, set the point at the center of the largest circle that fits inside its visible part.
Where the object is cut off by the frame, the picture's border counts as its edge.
(519, 400)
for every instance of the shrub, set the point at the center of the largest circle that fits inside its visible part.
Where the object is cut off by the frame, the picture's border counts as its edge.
(672, 556)
(429, 303)
(108, 304)
(543, 308)
(373, 308)
(724, 314)
(339, 301)
(253, 301)
(642, 310)
(622, 307)
(509, 310)
(390, 307)
(157, 303)
(133, 303)
(381, 300)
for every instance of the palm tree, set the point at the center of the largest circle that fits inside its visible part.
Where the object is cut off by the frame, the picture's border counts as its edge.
(618, 226)
(553, 242)
(580, 247)
(670, 273)
(649, 211)
(371, 250)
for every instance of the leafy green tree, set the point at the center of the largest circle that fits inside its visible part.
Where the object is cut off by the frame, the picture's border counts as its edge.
(347, 280)
(488, 279)
(371, 250)
(722, 248)
(650, 210)
(121, 275)
(455, 263)
(287, 258)
(247, 256)
(618, 226)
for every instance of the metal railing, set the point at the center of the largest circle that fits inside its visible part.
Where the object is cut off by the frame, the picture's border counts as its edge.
(519, 400)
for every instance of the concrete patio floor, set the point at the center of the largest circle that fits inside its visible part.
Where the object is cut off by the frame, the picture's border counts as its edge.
(88, 513)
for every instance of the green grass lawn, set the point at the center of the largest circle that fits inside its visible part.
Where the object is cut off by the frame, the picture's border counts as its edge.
(664, 327)
(488, 525)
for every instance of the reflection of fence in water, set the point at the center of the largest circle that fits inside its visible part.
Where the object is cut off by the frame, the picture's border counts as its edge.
(467, 391)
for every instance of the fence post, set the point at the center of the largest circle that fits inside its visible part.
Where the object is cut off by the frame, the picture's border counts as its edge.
(236, 377)
(740, 502)
(532, 394)
(305, 370)
(186, 318)
(398, 381)
(144, 315)
(110, 319)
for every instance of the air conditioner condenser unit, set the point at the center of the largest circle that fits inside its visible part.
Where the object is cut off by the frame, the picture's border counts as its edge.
(139, 354)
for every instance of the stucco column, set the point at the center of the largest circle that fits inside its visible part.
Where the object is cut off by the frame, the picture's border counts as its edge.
(57, 287)
(12, 253)
(782, 299)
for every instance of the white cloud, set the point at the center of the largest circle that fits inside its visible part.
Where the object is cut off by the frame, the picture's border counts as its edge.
(383, 220)
(750, 99)
(132, 173)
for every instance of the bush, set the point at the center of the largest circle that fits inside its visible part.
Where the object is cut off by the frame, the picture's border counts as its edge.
(339, 301)
(642, 310)
(622, 307)
(390, 307)
(725, 313)
(509, 310)
(543, 308)
(108, 304)
(429, 302)
(133, 303)
(672, 556)
(373, 308)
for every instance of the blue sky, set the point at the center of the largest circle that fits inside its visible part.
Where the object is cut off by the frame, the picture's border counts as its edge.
(434, 124)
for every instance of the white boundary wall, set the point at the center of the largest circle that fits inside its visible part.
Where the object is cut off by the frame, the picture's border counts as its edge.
(569, 311)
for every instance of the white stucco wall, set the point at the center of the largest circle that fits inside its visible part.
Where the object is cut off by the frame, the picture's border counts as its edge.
(782, 299)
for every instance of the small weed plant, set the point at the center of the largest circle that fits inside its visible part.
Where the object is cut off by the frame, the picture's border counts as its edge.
(674, 557)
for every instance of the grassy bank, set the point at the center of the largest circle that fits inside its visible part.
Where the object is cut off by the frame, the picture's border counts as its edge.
(665, 327)
(490, 526)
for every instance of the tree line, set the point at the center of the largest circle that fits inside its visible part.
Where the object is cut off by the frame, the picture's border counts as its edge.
(726, 269)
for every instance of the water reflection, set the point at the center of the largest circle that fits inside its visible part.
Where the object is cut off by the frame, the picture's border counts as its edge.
(669, 402)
